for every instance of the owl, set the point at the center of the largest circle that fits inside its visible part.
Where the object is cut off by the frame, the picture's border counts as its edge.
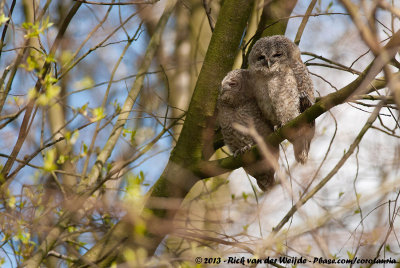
(236, 104)
(282, 87)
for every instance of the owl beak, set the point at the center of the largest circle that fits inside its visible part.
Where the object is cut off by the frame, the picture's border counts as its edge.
(267, 63)
(225, 92)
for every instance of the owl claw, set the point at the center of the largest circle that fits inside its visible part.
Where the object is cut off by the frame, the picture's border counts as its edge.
(242, 150)
(276, 127)
(304, 95)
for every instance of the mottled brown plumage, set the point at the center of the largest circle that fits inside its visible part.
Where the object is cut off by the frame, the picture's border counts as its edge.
(282, 87)
(236, 104)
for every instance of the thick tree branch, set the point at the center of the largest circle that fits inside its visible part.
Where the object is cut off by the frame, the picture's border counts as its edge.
(274, 19)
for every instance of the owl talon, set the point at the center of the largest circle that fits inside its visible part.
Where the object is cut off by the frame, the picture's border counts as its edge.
(305, 96)
(242, 150)
(278, 126)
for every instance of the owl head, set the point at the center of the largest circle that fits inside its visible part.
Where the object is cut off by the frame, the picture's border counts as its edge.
(270, 50)
(234, 87)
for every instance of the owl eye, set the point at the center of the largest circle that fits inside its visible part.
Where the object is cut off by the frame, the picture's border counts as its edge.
(232, 83)
(262, 57)
(277, 55)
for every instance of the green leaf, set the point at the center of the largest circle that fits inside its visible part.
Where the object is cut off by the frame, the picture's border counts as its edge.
(74, 137)
(329, 6)
(12, 201)
(133, 134)
(86, 82)
(117, 107)
(3, 19)
(350, 255)
(50, 59)
(98, 114)
(49, 160)
(83, 109)
(133, 189)
(66, 57)
(61, 159)
(26, 25)
(109, 166)
(52, 91)
(22, 204)
(140, 228)
(34, 30)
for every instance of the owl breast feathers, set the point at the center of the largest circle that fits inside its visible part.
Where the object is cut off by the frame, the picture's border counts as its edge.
(236, 104)
(282, 87)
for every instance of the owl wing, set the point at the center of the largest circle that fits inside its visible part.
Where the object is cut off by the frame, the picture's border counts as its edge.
(304, 85)
(234, 139)
(263, 171)
(306, 97)
(305, 101)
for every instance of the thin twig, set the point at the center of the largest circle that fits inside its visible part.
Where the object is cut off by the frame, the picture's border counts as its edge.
(3, 35)
(343, 160)
(342, 67)
(61, 256)
(304, 22)
(207, 9)
(25, 126)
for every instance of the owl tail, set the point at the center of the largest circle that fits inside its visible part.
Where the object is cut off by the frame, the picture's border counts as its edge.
(301, 144)
(263, 170)
(301, 147)
(265, 181)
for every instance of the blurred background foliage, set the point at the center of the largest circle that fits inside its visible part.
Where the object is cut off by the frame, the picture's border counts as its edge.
(93, 97)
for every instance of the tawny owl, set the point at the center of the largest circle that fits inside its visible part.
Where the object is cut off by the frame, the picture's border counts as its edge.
(236, 104)
(283, 87)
